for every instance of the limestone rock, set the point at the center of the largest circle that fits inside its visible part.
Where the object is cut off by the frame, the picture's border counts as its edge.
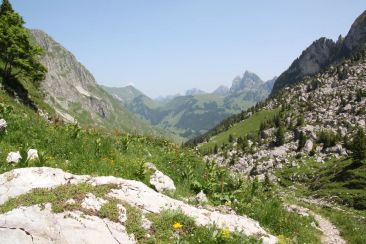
(308, 146)
(37, 226)
(3, 125)
(44, 225)
(13, 157)
(122, 213)
(162, 182)
(201, 198)
(32, 154)
(91, 202)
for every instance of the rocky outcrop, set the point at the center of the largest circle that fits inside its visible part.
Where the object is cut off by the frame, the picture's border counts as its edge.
(67, 80)
(356, 37)
(322, 53)
(75, 95)
(40, 225)
(37, 225)
(315, 58)
(160, 181)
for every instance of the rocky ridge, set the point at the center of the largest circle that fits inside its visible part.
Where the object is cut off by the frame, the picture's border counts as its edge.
(322, 53)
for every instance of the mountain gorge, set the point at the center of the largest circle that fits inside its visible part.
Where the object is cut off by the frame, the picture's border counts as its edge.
(197, 111)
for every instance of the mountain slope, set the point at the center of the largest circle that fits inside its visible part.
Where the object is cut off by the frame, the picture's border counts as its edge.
(72, 90)
(309, 140)
(323, 53)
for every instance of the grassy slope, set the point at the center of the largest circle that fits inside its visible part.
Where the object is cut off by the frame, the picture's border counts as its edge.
(241, 129)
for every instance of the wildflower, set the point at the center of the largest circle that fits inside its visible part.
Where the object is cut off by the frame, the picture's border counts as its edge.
(228, 203)
(177, 226)
(225, 233)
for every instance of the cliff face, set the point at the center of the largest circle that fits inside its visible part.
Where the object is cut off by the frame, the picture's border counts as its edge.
(356, 37)
(72, 90)
(316, 57)
(323, 53)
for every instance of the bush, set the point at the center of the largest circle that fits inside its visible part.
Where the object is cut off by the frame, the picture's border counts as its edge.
(328, 138)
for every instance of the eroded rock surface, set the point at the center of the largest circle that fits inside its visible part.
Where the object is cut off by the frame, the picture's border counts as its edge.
(73, 227)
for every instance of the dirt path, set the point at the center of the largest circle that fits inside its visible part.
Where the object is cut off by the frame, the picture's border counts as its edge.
(331, 234)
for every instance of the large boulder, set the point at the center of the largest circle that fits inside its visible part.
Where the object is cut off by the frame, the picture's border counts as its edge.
(160, 181)
(38, 224)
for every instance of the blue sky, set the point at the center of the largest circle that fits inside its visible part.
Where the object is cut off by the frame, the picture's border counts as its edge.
(168, 46)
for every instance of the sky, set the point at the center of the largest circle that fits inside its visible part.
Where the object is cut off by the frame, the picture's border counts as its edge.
(166, 47)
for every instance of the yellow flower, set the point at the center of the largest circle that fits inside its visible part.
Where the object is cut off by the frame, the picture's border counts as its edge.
(228, 203)
(177, 226)
(225, 233)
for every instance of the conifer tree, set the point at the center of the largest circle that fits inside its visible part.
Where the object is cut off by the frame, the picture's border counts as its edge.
(18, 55)
(6, 7)
(359, 146)
(280, 136)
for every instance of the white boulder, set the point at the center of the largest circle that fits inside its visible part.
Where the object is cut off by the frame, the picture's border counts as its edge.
(38, 226)
(161, 182)
(201, 198)
(3, 125)
(13, 157)
(32, 154)
(122, 213)
(73, 227)
(308, 146)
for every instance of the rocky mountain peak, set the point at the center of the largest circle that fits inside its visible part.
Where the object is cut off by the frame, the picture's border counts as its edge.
(222, 91)
(194, 91)
(316, 57)
(322, 53)
(356, 37)
(247, 82)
